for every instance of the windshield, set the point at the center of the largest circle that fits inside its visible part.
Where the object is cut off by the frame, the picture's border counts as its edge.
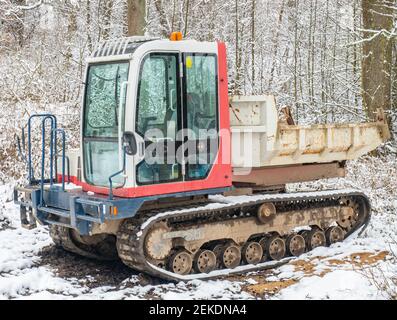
(104, 86)
(105, 94)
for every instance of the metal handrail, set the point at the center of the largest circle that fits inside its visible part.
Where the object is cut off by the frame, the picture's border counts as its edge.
(67, 165)
(53, 136)
(54, 125)
(116, 174)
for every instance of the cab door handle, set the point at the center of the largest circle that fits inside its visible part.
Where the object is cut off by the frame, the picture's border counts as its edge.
(141, 149)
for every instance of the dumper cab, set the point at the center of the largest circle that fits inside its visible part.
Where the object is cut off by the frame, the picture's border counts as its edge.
(152, 113)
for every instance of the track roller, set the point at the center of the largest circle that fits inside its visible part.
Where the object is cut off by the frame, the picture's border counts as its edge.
(252, 252)
(275, 247)
(262, 242)
(205, 261)
(303, 233)
(217, 249)
(180, 262)
(334, 234)
(295, 244)
(230, 256)
(315, 238)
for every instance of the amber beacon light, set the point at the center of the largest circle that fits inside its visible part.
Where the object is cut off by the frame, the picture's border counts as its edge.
(176, 36)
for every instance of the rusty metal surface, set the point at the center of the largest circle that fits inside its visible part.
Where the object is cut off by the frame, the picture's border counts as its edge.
(289, 174)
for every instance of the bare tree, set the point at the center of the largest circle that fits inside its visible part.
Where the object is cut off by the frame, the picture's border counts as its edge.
(236, 89)
(88, 24)
(377, 55)
(12, 18)
(253, 42)
(186, 18)
(164, 25)
(136, 17)
(275, 44)
(106, 7)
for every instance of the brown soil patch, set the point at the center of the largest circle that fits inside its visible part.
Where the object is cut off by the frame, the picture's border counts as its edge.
(270, 287)
(308, 267)
(368, 258)
(361, 258)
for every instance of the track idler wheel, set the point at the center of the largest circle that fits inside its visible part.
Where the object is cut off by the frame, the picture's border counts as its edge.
(265, 212)
(180, 262)
(205, 261)
(252, 252)
(156, 247)
(275, 247)
(230, 256)
(334, 234)
(315, 238)
(295, 244)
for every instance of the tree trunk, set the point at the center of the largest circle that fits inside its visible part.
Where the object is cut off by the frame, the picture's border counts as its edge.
(18, 26)
(106, 7)
(393, 113)
(253, 45)
(295, 17)
(275, 45)
(173, 16)
(186, 18)
(88, 24)
(377, 56)
(136, 17)
(158, 4)
(355, 51)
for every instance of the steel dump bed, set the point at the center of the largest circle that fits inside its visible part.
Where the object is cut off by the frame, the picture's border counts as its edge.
(260, 139)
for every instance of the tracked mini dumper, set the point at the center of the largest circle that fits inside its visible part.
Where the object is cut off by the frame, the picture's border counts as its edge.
(218, 206)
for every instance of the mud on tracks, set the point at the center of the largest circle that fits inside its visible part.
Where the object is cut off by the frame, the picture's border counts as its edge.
(89, 272)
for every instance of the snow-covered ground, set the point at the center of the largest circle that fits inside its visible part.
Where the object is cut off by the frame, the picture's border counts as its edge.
(362, 267)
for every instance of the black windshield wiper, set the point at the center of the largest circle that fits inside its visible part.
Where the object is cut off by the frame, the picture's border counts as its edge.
(116, 86)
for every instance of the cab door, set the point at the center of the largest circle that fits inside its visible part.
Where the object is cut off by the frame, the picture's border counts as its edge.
(158, 118)
(177, 116)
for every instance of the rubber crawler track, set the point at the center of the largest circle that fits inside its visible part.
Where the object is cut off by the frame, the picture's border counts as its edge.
(132, 232)
(62, 237)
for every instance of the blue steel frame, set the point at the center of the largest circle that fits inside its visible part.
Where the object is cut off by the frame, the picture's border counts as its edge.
(81, 210)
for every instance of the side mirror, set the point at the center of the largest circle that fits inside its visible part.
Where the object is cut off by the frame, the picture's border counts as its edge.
(129, 142)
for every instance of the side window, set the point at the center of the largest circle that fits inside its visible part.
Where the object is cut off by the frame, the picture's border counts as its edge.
(201, 113)
(151, 98)
(201, 92)
(103, 95)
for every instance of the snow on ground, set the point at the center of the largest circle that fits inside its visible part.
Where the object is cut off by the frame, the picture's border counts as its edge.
(363, 267)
